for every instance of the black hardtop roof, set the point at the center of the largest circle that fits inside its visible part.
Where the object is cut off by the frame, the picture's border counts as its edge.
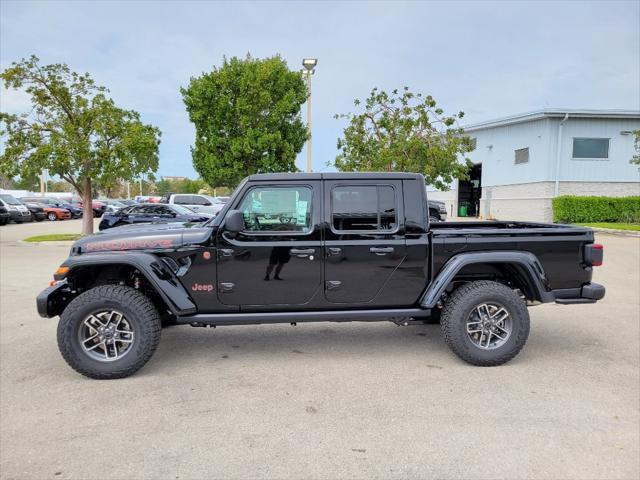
(336, 176)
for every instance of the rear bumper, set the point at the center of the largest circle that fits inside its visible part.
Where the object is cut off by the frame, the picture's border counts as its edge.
(588, 293)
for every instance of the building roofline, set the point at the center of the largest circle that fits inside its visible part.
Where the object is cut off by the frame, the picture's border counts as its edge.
(552, 113)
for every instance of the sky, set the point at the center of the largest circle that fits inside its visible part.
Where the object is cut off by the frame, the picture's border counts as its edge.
(488, 59)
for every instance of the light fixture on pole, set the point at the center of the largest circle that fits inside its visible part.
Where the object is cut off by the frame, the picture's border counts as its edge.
(309, 64)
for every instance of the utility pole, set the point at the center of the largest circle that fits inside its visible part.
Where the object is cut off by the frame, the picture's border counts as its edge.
(309, 65)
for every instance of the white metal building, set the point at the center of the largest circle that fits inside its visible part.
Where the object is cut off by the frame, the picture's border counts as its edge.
(521, 162)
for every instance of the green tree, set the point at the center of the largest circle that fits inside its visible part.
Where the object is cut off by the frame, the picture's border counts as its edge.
(31, 183)
(404, 132)
(74, 131)
(636, 143)
(247, 119)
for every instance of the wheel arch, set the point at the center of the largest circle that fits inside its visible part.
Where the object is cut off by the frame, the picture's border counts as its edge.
(95, 270)
(522, 270)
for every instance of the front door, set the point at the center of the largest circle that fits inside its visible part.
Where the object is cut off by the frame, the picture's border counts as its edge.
(365, 241)
(277, 259)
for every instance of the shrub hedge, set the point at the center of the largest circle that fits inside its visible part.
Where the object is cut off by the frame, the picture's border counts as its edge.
(575, 209)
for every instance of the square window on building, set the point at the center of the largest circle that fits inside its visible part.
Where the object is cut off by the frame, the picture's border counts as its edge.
(596, 148)
(522, 156)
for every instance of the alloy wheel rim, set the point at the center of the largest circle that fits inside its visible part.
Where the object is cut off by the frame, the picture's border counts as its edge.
(106, 336)
(489, 326)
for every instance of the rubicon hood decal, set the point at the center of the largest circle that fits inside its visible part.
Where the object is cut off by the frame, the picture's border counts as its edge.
(144, 237)
(132, 244)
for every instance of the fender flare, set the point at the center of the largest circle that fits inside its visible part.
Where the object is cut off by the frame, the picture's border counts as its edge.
(526, 263)
(156, 272)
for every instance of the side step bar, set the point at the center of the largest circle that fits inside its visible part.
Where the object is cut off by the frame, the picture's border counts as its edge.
(216, 319)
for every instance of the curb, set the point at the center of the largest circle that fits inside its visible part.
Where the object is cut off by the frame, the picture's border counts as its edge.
(611, 231)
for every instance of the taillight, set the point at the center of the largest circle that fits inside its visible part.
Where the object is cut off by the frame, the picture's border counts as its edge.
(593, 254)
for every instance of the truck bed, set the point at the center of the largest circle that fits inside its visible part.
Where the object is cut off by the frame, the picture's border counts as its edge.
(558, 247)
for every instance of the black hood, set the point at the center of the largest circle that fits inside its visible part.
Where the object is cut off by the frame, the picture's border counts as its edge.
(144, 237)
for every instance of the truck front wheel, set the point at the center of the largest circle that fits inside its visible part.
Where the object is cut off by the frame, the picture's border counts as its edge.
(485, 323)
(107, 332)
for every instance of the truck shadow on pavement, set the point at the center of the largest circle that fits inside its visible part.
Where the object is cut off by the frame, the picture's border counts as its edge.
(186, 343)
(423, 343)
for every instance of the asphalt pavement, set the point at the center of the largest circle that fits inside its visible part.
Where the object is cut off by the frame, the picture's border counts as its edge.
(326, 400)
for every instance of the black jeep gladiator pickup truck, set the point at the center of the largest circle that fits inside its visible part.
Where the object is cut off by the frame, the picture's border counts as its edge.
(291, 248)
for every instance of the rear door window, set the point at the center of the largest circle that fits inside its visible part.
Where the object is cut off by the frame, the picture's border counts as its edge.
(364, 208)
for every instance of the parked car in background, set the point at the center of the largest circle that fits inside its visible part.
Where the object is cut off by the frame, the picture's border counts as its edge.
(128, 202)
(113, 205)
(54, 202)
(97, 206)
(37, 211)
(151, 213)
(437, 211)
(48, 211)
(223, 199)
(18, 212)
(5, 216)
(194, 201)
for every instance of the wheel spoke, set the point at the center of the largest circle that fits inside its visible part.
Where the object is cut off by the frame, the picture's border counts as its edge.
(502, 329)
(92, 347)
(90, 338)
(501, 338)
(488, 339)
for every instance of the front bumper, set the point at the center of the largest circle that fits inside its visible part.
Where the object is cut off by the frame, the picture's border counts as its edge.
(19, 216)
(39, 215)
(588, 293)
(52, 300)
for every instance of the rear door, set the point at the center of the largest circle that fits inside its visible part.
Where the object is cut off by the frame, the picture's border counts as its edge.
(365, 241)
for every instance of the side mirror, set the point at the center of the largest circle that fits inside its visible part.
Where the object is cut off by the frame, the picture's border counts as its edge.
(234, 221)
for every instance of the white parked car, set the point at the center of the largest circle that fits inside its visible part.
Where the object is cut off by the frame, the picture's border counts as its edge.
(197, 202)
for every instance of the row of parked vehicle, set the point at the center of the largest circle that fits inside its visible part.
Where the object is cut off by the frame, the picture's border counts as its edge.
(115, 212)
(36, 208)
(173, 207)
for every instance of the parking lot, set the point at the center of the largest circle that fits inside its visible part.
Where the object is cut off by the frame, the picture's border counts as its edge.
(325, 400)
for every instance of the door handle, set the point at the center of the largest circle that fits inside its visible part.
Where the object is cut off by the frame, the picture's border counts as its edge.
(225, 252)
(302, 252)
(381, 250)
(225, 287)
(334, 251)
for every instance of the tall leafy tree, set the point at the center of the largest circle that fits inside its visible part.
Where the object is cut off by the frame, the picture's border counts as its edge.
(404, 132)
(247, 119)
(74, 130)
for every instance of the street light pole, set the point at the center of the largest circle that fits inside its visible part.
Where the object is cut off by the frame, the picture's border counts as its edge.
(309, 65)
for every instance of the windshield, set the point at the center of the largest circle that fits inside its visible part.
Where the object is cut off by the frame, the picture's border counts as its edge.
(9, 200)
(182, 210)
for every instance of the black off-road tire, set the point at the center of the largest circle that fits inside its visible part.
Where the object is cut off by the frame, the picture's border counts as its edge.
(139, 311)
(460, 305)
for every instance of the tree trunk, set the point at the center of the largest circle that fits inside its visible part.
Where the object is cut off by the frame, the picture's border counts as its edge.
(87, 208)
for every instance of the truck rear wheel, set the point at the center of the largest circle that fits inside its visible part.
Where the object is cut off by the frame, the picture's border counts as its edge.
(110, 331)
(485, 323)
